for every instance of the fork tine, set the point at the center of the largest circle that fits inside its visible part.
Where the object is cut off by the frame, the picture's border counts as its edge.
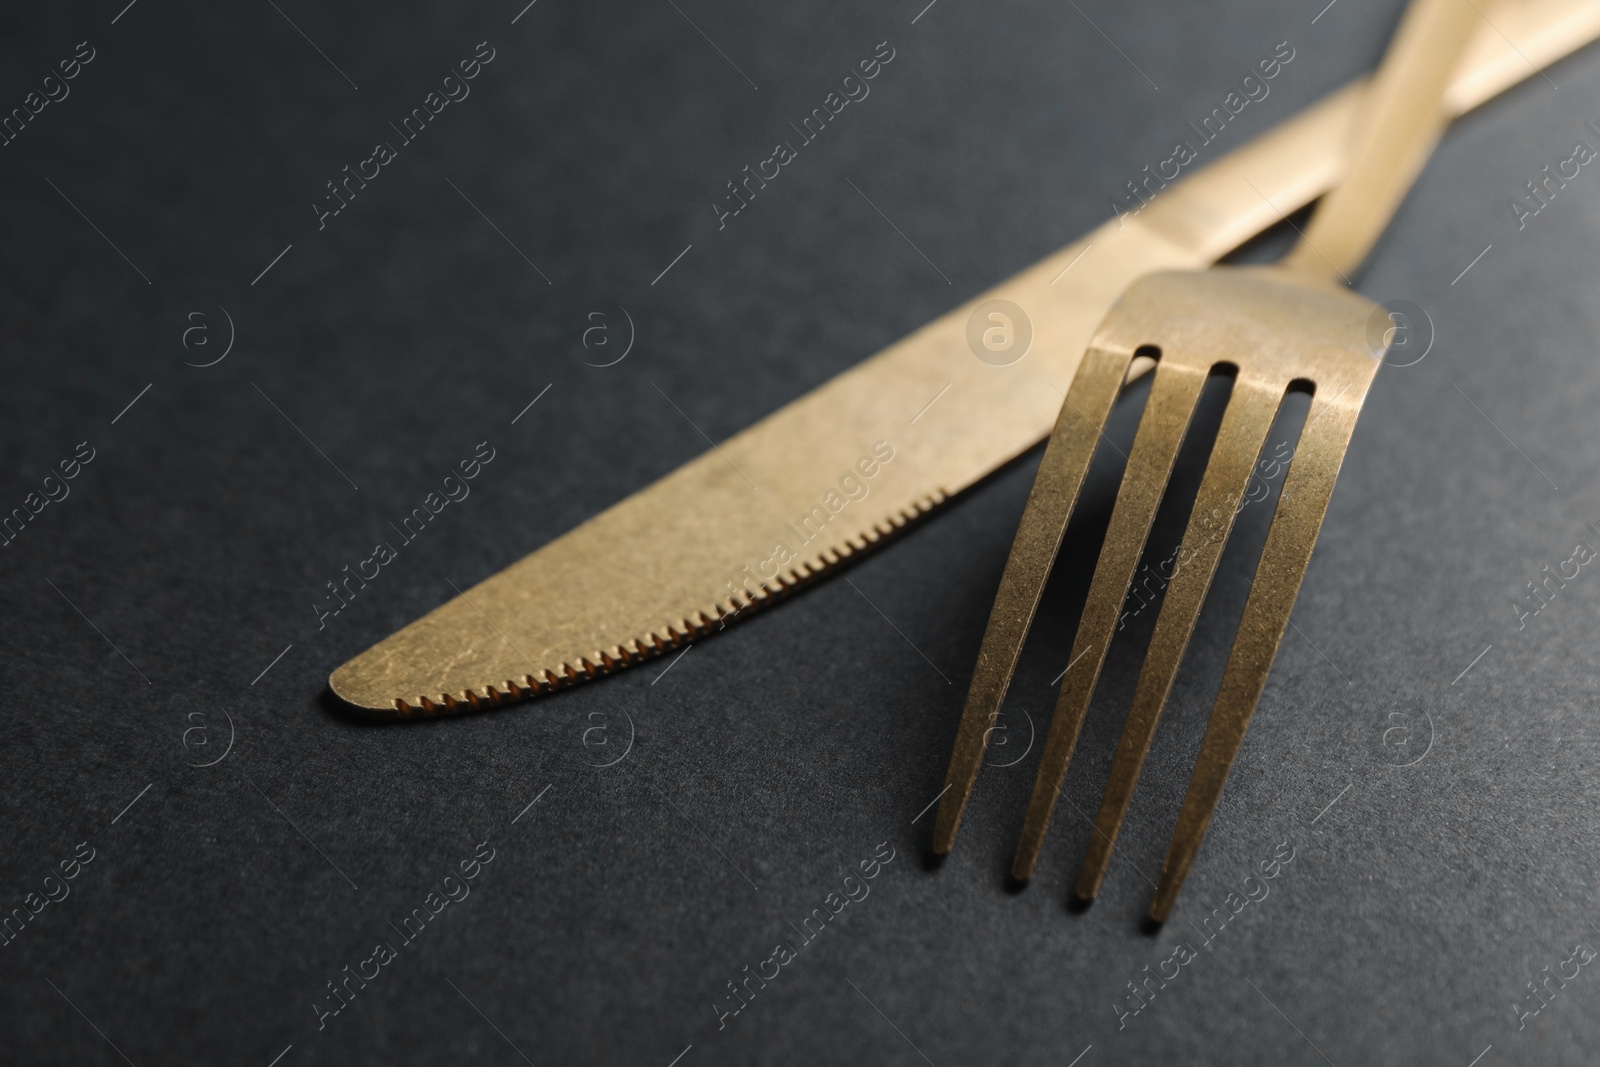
(1054, 494)
(1162, 426)
(1251, 409)
(1306, 490)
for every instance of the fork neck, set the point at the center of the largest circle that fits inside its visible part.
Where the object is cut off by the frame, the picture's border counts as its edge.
(1400, 121)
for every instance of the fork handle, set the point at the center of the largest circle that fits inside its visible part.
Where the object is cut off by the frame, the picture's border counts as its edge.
(1400, 121)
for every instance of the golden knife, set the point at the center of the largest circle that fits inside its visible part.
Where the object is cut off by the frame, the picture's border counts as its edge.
(856, 459)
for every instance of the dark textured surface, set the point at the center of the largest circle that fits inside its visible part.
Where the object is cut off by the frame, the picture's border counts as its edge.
(773, 758)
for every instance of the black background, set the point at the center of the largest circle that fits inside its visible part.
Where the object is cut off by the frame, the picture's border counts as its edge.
(773, 757)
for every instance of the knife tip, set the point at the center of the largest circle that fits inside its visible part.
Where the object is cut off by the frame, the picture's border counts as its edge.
(354, 686)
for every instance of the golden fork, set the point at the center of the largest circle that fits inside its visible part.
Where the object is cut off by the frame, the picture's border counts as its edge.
(1274, 330)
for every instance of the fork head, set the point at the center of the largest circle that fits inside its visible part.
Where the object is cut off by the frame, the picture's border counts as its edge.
(1275, 331)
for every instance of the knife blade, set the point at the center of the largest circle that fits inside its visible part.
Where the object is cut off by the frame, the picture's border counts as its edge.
(849, 464)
